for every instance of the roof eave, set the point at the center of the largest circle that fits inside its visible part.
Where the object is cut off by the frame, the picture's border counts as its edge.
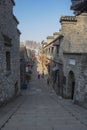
(13, 2)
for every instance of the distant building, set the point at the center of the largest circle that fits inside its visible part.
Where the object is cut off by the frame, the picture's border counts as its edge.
(9, 52)
(54, 62)
(23, 63)
(32, 45)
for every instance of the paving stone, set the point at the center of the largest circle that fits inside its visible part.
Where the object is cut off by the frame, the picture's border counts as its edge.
(45, 111)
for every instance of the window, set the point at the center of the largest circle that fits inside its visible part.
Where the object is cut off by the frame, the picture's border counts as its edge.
(64, 80)
(52, 50)
(7, 41)
(57, 49)
(49, 50)
(8, 62)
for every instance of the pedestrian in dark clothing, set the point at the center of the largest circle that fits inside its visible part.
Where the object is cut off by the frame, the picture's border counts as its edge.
(48, 81)
(42, 75)
(38, 76)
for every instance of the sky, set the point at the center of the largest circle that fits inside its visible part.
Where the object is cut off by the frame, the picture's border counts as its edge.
(40, 18)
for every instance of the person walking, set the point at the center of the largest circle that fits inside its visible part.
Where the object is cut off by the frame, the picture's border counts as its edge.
(42, 75)
(48, 80)
(38, 75)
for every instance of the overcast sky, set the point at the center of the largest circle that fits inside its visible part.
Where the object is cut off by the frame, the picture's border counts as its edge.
(40, 18)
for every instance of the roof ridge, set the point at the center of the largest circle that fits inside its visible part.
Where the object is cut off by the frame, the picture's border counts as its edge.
(68, 18)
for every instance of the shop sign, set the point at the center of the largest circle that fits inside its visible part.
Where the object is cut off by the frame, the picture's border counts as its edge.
(72, 61)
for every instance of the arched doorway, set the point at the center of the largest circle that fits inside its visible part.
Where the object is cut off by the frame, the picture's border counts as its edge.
(71, 84)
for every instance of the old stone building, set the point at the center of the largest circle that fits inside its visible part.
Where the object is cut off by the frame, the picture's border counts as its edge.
(9, 52)
(72, 54)
(54, 62)
(74, 48)
(75, 77)
(24, 59)
(74, 30)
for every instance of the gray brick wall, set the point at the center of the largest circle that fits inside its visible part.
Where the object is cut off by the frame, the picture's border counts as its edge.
(9, 80)
(75, 34)
(80, 73)
(74, 44)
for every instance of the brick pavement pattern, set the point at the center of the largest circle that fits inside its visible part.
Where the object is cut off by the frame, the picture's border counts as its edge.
(39, 108)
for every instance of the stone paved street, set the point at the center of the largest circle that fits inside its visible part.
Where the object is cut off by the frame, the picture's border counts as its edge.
(39, 108)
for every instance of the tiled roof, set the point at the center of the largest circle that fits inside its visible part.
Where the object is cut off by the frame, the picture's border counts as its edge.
(15, 19)
(50, 37)
(52, 43)
(79, 6)
(78, 3)
(68, 18)
(18, 31)
(56, 33)
(13, 2)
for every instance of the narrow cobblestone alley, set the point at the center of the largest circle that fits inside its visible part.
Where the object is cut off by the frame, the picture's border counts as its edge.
(39, 108)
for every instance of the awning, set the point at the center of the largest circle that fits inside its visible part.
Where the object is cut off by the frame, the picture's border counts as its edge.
(55, 68)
